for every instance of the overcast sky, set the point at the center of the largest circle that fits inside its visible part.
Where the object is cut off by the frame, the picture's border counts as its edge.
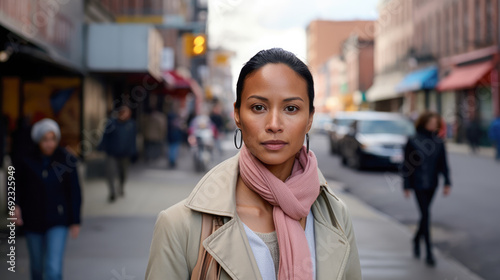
(247, 26)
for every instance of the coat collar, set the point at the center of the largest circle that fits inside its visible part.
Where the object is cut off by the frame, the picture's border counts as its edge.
(212, 194)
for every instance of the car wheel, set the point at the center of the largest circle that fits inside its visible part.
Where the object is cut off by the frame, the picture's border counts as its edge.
(356, 162)
(332, 148)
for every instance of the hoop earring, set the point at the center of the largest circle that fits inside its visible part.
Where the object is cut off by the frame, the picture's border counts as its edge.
(236, 136)
(307, 142)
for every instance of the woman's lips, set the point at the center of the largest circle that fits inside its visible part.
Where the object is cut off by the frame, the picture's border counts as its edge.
(274, 145)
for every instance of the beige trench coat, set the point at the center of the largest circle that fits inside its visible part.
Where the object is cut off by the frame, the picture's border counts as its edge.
(176, 237)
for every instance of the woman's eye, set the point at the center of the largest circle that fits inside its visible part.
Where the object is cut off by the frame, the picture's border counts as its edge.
(258, 108)
(291, 108)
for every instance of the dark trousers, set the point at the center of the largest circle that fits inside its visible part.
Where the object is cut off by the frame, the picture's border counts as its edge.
(116, 169)
(424, 199)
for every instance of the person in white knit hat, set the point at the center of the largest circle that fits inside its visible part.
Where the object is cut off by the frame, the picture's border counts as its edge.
(48, 200)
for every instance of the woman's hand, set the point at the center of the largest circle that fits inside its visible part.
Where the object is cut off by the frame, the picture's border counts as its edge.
(446, 190)
(74, 231)
(407, 193)
(18, 216)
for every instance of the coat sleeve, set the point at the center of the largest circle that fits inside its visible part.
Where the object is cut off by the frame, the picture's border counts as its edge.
(444, 166)
(353, 267)
(167, 258)
(75, 197)
(407, 168)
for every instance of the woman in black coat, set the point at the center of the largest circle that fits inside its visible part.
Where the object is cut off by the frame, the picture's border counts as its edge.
(424, 160)
(48, 200)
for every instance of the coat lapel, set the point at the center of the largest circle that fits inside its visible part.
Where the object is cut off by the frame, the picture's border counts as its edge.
(230, 248)
(332, 246)
(215, 194)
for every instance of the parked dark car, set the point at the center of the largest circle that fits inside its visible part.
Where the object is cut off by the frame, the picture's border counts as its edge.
(376, 139)
(339, 128)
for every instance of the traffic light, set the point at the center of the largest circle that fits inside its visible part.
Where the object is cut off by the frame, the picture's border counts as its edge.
(195, 44)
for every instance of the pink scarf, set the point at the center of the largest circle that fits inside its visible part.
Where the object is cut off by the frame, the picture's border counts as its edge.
(292, 201)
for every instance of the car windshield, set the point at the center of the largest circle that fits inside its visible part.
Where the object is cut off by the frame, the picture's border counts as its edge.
(344, 122)
(400, 127)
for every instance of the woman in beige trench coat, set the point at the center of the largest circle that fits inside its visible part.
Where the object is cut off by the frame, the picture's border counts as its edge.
(281, 220)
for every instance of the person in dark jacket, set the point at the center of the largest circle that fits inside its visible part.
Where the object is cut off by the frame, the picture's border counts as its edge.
(48, 200)
(494, 134)
(473, 133)
(424, 160)
(174, 137)
(119, 144)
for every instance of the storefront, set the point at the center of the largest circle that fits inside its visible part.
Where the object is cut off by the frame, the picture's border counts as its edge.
(42, 71)
(473, 81)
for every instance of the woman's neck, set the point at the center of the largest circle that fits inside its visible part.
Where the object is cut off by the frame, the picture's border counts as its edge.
(282, 171)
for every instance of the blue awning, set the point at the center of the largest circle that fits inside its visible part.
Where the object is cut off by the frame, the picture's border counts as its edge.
(426, 78)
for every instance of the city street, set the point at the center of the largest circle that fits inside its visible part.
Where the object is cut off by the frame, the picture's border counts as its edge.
(464, 226)
(108, 89)
(115, 238)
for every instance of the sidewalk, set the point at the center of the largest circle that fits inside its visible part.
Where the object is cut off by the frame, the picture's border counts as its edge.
(115, 238)
(465, 149)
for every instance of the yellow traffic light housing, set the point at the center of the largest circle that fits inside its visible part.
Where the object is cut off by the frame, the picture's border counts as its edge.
(195, 44)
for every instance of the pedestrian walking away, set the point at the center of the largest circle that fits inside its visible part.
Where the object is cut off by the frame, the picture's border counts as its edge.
(424, 159)
(119, 144)
(266, 213)
(474, 134)
(174, 136)
(494, 133)
(218, 120)
(48, 200)
(154, 130)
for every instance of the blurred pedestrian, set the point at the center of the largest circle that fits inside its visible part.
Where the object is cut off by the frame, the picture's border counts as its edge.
(274, 203)
(424, 160)
(119, 143)
(155, 130)
(48, 200)
(442, 129)
(494, 133)
(174, 136)
(473, 133)
(218, 120)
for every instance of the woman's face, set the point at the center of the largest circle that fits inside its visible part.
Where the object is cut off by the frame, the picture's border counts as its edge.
(432, 124)
(48, 143)
(274, 115)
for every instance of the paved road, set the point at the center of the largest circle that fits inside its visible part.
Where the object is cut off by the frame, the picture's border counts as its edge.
(465, 224)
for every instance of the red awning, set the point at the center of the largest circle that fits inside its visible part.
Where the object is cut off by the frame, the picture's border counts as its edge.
(464, 77)
(175, 81)
(175, 85)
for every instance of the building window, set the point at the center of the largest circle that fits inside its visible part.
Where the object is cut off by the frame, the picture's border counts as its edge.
(437, 46)
(477, 21)
(456, 24)
(429, 38)
(465, 9)
(447, 32)
(489, 21)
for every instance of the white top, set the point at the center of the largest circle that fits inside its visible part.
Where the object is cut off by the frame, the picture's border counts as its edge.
(263, 255)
